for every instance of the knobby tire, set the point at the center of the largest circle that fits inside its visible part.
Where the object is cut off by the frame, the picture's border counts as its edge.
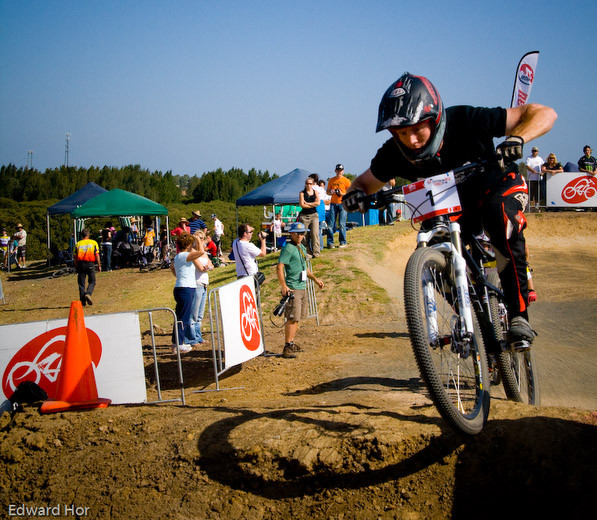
(458, 385)
(518, 369)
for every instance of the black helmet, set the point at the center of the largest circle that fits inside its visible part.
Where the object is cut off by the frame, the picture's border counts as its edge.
(409, 101)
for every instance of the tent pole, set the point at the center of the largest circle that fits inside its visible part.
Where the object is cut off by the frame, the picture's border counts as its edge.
(48, 235)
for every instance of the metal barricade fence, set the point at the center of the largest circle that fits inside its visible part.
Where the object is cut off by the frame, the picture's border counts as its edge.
(311, 295)
(155, 356)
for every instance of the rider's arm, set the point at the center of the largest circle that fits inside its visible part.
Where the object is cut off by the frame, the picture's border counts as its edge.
(367, 182)
(529, 121)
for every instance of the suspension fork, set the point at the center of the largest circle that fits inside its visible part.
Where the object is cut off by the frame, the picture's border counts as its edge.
(461, 280)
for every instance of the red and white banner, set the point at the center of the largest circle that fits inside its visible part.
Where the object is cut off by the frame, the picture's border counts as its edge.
(525, 77)
(33, 352)
(243, 336)
(571, 189)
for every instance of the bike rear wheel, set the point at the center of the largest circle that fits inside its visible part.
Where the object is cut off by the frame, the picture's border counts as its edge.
(517, 368)
(454, 370)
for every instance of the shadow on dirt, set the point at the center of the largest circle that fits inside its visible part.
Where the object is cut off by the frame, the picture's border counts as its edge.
(357, 384)
(197, 369)
(533, 464)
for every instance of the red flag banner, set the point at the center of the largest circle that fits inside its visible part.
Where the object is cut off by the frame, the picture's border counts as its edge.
(525, 77)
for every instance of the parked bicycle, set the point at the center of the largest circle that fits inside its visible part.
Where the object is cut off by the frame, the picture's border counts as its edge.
(455, 309)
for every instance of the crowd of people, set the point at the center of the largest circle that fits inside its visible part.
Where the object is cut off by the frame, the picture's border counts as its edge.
(14, 248)
(538, 169)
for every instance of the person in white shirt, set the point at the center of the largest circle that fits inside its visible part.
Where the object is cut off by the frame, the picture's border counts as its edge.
(218, 232)
(245, 252)
(534, 163)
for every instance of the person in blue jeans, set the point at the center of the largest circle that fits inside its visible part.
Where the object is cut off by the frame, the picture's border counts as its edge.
(183, 267)
(202, 265)
(337, 187)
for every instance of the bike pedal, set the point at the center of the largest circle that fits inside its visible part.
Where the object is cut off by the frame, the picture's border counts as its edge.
(520, 346)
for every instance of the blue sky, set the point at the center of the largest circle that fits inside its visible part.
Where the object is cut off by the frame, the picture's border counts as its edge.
(191, 86)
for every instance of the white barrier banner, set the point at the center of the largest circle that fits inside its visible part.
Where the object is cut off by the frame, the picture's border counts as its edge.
(243, 337)
(571, 189)
(33, 352)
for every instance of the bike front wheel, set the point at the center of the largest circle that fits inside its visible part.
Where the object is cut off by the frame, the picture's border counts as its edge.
(518, 369)
(454, 368)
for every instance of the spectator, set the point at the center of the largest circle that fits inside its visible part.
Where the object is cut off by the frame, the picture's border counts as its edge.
(534, 163)
(324, 196)
(218, 233)
(4, 241)
(587, 163)
(309, 201)
(86, 255)
(147, 245)
(183, 268)
(183, 227)
(292, 271)
(164, 243)
(202, 265)
(277, 228)
(337, 187)
(551, 166)
(196, 223)
(21, 237)
(107, 246)
(134, 230)
(210, 245)
(245, 253)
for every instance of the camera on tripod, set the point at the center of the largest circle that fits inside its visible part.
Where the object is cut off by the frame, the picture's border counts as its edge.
(279, 310)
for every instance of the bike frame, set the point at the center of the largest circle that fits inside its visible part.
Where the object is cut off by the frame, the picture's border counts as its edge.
(445, 236)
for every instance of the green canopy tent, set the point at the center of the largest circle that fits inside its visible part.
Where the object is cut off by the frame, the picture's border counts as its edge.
(120, 203)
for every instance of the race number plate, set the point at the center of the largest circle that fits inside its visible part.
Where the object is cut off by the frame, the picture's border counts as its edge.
(434, 196)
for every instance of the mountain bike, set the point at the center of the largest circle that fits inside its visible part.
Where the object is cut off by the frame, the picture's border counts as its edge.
(455, 310)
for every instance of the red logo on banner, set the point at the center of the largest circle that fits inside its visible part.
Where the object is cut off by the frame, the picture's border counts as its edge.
(579, 190)
(249, 319)
(527, 74)
(40, 360)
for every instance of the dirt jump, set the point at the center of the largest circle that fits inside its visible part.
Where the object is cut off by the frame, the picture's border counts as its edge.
(344, 431)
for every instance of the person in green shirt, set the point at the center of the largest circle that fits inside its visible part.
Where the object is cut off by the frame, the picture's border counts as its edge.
(292, 273)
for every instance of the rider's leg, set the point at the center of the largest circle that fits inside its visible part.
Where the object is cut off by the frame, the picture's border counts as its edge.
(505, 222)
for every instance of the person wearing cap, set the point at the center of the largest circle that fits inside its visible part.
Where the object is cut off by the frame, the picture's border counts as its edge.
(337, 187)
(196, 223)
(218, 232)
(4, 241)
(21, 237)
(183, 227)
(292, 271)
(534, 163)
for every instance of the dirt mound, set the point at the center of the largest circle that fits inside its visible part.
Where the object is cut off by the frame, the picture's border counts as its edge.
(346, 430)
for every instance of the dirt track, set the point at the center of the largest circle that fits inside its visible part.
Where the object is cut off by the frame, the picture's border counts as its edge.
(346, 429)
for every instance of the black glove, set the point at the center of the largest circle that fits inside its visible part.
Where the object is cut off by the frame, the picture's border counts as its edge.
(355, 201)
(509, 151)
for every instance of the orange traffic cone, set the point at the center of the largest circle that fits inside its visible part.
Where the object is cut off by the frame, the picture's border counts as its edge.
(76, 388)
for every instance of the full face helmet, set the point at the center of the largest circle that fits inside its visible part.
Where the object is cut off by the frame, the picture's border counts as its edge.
(408, 101)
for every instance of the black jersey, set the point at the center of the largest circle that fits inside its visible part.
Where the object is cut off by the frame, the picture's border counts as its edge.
(587, 163)
(468, 137)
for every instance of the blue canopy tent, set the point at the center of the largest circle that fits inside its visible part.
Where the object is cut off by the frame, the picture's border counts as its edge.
(70, 203)
(283, 190)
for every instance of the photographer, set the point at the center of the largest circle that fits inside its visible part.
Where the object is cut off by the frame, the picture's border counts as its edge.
(292, 274)
(245, 252)
(337, 187)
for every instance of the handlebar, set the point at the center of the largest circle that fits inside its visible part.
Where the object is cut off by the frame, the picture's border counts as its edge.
(381, 199)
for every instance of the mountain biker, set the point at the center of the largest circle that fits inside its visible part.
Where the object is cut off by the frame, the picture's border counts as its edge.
(428, 139)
